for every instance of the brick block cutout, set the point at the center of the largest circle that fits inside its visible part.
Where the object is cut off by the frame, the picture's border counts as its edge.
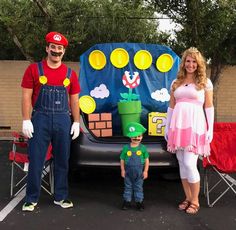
(156, 123)
(100, 124)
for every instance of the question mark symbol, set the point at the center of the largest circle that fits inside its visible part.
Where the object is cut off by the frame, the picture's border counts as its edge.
(161, 122)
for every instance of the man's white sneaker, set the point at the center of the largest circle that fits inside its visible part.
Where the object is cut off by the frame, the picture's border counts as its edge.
(64, 203)
(28, 206)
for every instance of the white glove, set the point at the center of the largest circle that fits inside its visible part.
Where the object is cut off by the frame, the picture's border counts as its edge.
(75, 130)
(168, 119)
(210, 122)
(27, 128)
(209, 136)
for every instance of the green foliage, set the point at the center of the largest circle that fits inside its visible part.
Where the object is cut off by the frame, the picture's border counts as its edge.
(85, 23)
(18, 20)
(206, 24)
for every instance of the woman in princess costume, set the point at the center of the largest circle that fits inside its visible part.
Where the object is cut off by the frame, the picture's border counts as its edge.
(189, 126)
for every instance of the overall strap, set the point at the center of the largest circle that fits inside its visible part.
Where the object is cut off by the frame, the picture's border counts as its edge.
(139, 147)
(40, 68)
(129, 147)
(69, 72)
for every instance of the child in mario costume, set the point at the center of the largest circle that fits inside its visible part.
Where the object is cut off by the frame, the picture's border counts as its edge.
(50, 90)
(134, 163)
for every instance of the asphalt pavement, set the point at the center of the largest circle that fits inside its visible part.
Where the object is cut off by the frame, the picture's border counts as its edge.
(97, 197)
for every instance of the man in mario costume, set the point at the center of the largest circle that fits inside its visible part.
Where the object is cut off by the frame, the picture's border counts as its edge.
(49, 96)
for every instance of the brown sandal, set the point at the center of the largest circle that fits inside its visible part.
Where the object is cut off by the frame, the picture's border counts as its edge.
(184, 205)
(192, 209)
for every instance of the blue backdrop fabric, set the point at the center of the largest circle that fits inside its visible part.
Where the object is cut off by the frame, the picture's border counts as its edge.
(110, 78)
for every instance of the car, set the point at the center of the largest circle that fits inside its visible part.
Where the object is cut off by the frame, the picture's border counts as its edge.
(114, 73)
(89, 150)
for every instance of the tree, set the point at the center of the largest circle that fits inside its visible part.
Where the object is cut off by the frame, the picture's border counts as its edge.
(206, 24)
(85, 23)
(18, 21)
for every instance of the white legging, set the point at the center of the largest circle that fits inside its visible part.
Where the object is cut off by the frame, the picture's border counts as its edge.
(188, 166)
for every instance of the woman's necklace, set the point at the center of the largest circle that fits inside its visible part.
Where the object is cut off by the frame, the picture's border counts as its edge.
(188, 82)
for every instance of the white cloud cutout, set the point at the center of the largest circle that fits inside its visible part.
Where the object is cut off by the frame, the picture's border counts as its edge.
(161, 95)
(100, 92)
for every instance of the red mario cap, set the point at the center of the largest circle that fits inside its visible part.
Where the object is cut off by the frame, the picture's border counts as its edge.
(57, 38)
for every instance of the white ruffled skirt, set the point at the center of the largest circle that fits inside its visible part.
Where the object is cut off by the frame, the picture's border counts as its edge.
(188, 128)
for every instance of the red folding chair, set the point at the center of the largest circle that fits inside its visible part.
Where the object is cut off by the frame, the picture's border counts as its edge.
(221, 162)
(19, 166)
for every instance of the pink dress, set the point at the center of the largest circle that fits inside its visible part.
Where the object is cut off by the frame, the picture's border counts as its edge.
(188, 123)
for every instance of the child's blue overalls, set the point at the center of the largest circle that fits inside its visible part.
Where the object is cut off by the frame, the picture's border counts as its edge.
(133, 177)
(52, 123)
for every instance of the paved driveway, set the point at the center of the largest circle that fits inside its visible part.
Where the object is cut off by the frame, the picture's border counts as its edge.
(97, 199)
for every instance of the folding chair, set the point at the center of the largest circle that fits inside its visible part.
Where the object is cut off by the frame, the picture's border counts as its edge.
(19, 166)
(221, 162)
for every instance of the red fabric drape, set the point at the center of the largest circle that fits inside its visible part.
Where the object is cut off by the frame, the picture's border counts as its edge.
(223, 148)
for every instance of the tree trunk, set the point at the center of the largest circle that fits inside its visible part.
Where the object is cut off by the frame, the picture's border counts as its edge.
(216, 69)
(45, 11)
(19, 45)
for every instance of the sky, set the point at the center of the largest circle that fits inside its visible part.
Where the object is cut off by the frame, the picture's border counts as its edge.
(166, 25)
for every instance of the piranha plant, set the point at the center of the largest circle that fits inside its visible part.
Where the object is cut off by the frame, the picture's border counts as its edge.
(130, 83)
(129, 107)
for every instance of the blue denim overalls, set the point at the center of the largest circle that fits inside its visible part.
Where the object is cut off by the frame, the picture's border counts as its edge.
(52, 123)
(133, 177)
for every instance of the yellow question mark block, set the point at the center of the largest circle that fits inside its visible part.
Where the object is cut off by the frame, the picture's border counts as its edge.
(156, 123)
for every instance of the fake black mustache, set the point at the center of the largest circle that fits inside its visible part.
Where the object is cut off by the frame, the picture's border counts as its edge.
(136, 139)
(56, 54)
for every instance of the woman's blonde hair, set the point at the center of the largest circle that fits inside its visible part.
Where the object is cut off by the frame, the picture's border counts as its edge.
(200, 74)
